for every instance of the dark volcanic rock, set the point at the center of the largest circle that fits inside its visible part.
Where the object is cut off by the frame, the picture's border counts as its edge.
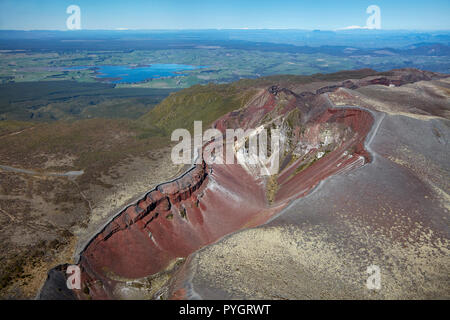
(55, 287)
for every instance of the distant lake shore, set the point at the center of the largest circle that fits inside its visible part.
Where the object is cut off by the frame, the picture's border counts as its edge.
(135, 73)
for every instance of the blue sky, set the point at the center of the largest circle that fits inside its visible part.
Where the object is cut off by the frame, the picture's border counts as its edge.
(224, 14)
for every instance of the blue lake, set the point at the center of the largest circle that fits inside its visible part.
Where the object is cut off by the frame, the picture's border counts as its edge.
(127, 74)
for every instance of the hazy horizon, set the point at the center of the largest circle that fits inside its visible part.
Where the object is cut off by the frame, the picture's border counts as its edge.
(243, 29)
(324, 15)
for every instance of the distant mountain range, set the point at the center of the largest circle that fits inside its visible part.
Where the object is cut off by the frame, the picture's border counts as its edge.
(339, 43)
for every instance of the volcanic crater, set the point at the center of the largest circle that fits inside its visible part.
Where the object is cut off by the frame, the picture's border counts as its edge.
(137, 254)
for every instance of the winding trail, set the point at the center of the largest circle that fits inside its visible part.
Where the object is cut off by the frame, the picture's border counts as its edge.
(37, 173)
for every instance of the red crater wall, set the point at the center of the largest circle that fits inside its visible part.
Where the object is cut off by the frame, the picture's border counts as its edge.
(200, 207)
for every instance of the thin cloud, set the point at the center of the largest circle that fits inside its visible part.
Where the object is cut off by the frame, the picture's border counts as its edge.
(353, 28)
